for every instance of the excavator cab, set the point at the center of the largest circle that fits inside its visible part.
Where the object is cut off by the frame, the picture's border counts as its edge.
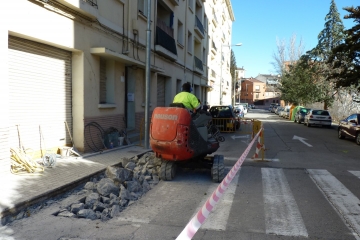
(181, 138)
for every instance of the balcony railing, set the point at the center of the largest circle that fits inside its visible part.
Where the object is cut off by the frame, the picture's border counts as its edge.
(213, 74)
(199, 25)
(165, 40)
(214, 46)
(92, 3)
(198, 65)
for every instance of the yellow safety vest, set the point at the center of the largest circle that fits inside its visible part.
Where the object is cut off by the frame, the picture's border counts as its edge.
(188, 99)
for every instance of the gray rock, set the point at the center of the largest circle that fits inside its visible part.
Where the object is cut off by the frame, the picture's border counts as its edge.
(156, 179)
(75, 208)
(134, 159)
(115, 211)
(145, 187)
(119, 175)
(107, 186)
(130, 166)
(150, 166)
(124, 193)
(124, 161)
(135, 196)
(105, 215)
(133, 186)
(66, 214)
(141, 179)
(87, 213)
(157, 161)
(148, 178)
(106, 200)
(142, 161)
(112, 196)
(123, 203)
(99, 206)
(89, 186)
(91, 199)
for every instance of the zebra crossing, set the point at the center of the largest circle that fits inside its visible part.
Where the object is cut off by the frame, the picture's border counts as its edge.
(281, 210)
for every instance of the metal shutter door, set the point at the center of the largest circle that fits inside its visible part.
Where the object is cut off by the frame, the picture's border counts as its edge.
(40, 92)
(161, 91)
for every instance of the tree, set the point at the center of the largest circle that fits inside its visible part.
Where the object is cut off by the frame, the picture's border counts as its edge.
(345, 58)
(329, 38)
(233, 72)
(287, 54)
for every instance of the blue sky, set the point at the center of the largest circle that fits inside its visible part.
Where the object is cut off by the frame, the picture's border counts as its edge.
(259, 22)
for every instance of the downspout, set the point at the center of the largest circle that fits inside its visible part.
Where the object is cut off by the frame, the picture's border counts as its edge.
(186, 36)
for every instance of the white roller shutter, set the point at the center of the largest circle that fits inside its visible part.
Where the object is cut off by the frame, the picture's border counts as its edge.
(40, 93)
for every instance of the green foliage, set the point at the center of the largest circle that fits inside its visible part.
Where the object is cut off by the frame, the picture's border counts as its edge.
(232, 65)
(308, 80)
(345, 58)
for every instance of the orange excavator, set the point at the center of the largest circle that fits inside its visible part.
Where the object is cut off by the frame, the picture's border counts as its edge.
(181, 138)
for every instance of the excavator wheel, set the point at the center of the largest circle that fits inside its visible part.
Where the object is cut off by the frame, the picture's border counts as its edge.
(218, 169)
(167, 170)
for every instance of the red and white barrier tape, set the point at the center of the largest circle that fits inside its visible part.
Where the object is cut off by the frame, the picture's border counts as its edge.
(258, 146)
(195, 223)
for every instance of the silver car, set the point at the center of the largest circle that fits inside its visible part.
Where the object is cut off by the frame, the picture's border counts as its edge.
(318, 117)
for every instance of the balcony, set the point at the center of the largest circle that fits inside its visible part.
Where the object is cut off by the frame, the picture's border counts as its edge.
(87, 7)
(199, 28)
(213, 48)
(165, 44)
(175, 2)
(214, 20)
(198, 66)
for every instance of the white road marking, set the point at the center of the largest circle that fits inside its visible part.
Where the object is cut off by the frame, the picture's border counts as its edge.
(343, 201)
(218, 218)
(282, 215)
(302, 140)
(356, 173)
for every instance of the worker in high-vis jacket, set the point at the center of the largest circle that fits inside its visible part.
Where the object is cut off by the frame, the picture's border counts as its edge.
(190, 101)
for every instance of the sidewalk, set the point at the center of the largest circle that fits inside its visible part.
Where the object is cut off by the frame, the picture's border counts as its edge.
(20, 191)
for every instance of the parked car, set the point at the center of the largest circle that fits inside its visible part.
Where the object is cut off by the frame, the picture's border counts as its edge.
(318, 117)
(252, 106)
(224, 116)
(278, 110)
(350, 127)
(286, 113)
(300, 115)
(273, 104)
(239, 111)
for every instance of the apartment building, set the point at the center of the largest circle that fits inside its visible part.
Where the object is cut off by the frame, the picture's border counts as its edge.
(220, 18)
(252, 91)
(83, 62)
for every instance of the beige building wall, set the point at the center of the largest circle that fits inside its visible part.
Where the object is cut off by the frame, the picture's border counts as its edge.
(109, 39)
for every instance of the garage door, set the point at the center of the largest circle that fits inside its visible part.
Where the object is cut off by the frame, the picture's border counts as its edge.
(40, 93)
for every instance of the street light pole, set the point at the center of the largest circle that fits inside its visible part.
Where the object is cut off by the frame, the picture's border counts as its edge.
(238, 45)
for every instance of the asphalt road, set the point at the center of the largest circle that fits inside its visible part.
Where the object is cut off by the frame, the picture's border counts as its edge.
(308, 188)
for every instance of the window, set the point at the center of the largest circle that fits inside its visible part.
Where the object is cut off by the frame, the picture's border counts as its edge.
(257, 95)
(190, 42)
(142, 7)
(102, 81)
(257, 87)
(180, 33)
(106, 81)
(204, 56)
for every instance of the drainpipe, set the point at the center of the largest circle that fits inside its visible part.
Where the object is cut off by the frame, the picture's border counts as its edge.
(147, 78)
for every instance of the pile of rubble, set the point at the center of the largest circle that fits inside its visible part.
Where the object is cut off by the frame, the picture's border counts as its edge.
(107, 195)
